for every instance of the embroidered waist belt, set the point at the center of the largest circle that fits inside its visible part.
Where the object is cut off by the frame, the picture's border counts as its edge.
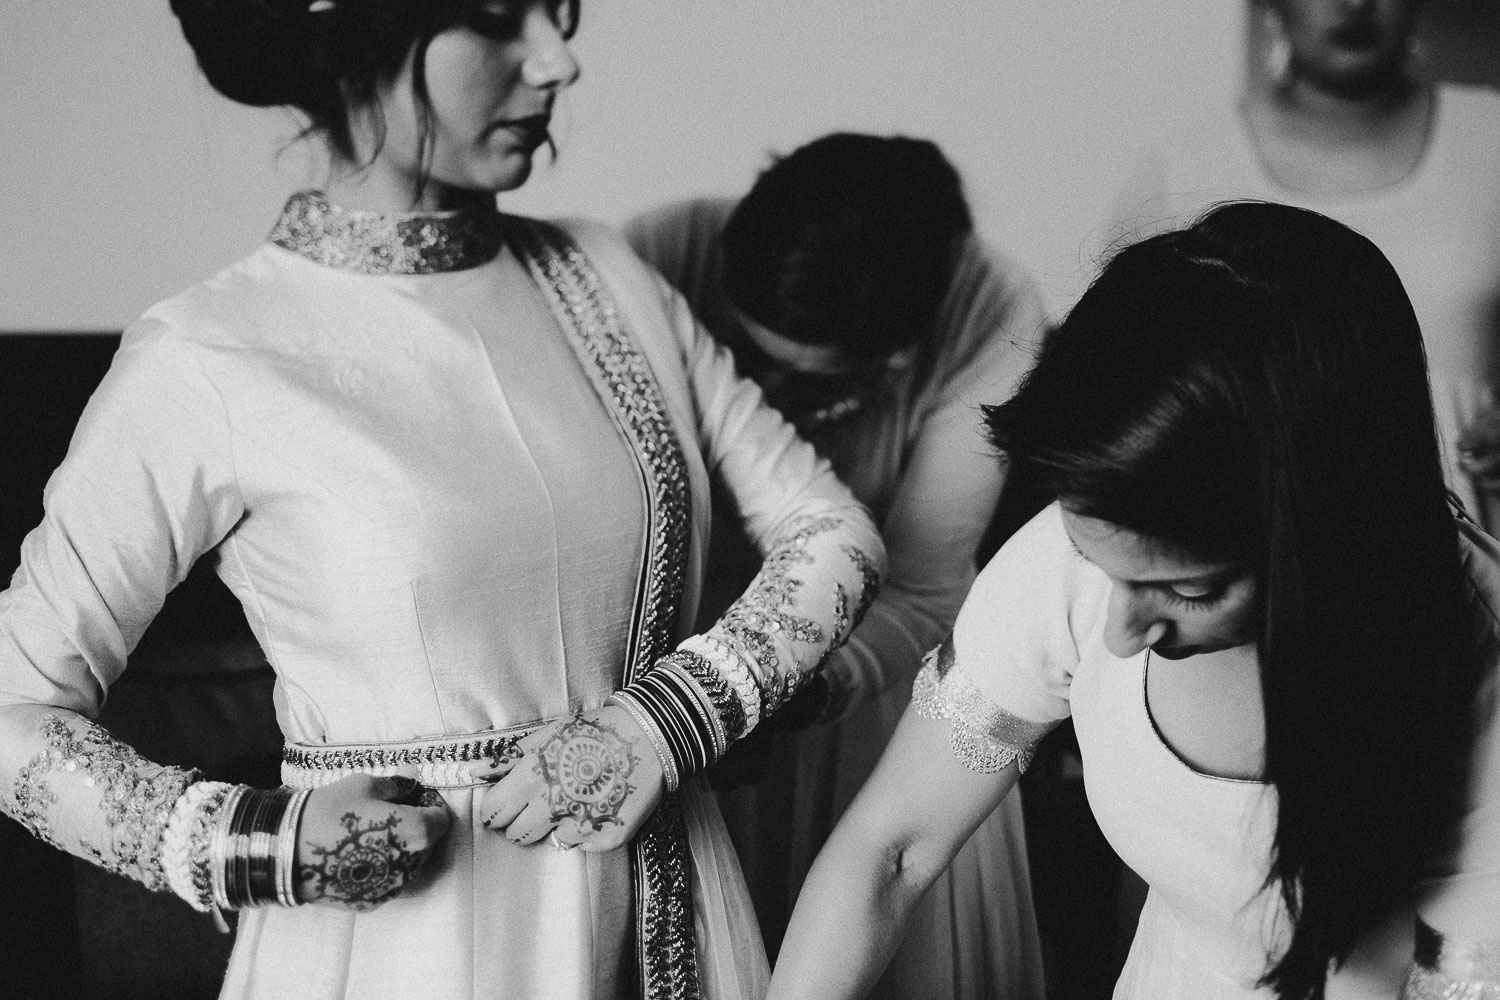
(437, 762)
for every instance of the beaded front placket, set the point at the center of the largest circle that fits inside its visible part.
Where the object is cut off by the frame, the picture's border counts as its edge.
(666, 954)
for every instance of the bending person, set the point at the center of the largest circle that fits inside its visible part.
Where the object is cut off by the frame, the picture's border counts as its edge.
(1276, 640)
(453, 463)
(849, 283)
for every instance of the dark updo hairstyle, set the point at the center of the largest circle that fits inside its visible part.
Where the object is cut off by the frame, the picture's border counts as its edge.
(1253, 388)
(848, 241)
(325, 57)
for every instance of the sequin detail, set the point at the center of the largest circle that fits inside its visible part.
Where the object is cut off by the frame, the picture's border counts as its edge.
(135, 796)
(768, 609)
(377, 243)
(984, 736)
(1449, 968)
(666, 949)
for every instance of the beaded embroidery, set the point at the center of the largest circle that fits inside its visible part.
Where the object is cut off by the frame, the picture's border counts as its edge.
(984, 736)
(1448, 968)
(443, 763)
(623, 378)
(135, 796)
(767, 610)
(378, 243)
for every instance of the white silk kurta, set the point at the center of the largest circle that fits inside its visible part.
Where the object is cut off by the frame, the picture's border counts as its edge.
(436, 527)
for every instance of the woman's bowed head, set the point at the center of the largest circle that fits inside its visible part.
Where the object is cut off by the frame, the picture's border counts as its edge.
(424, 104)
(1236, 421)
(1272, 655)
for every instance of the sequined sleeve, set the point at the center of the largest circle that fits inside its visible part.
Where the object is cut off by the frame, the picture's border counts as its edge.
(814, 586)
(146, 488)
(85, 792)
(983, 735)
(822, 556)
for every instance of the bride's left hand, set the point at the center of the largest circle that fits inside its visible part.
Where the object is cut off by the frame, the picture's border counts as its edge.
(589, 781)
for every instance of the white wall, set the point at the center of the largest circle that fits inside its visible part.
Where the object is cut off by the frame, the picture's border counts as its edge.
(125, 177)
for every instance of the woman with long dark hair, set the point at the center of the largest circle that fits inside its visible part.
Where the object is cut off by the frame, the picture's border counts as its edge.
(453, 463)
(1277, 641)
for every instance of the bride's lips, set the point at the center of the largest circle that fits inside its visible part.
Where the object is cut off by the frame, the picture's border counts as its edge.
(531, 130)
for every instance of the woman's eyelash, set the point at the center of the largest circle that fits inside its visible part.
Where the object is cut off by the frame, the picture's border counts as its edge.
(1207, 600)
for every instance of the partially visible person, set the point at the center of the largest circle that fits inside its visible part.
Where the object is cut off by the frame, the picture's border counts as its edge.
(850, 284)
(453, 463)
(1277, 639)
(1340, 120)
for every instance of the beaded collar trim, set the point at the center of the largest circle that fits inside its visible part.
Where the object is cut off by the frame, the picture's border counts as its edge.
(376, 243)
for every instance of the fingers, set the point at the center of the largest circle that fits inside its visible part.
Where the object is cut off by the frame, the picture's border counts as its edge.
(432, 818)
(494, 770)
(396, 788)
(531, 826)
(504, 801)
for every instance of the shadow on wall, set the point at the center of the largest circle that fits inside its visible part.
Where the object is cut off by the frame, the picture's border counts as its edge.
(1463, 40)
(197, 694)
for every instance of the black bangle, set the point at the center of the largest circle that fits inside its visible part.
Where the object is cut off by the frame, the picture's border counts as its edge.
(725, 703)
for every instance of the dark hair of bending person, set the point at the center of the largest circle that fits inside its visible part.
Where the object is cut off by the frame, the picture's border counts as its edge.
(808, 251)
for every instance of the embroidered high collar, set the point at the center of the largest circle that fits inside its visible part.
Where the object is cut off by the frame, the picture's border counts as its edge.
(376, 243)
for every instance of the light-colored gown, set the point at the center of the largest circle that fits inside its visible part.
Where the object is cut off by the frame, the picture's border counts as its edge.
(920, 461)
(454, 467)
(1439, 226)
(1202, 843)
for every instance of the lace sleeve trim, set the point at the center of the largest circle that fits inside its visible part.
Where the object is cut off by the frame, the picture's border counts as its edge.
(135, 796)
(1449, 968)
(984, 736)
(772, 612)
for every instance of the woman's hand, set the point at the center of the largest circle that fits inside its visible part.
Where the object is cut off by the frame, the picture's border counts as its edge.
(363, 838)
(593, 779)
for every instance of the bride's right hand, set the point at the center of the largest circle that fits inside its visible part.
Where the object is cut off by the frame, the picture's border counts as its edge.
(363, 838)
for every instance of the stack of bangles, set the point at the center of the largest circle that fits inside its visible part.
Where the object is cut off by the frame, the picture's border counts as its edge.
(688, 711)
(227, 847)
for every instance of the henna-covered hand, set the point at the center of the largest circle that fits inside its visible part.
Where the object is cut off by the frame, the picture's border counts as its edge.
(363, 838)
(593, 778)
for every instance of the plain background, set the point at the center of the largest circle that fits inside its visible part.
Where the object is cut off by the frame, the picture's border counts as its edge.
(125, 178)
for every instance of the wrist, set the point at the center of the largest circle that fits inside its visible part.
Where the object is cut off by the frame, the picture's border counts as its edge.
(688, 711)
(626, 701)
(231, 846)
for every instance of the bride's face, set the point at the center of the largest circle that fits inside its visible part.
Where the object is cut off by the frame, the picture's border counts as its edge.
(491, 84)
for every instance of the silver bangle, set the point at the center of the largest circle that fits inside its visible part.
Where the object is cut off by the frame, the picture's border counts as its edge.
(653, 735)
(286, 848)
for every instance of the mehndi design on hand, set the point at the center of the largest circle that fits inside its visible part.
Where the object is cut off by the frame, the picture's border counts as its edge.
(365, 867)
(586, 766)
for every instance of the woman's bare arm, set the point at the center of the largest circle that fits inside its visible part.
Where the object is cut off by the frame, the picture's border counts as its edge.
(918, 808)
